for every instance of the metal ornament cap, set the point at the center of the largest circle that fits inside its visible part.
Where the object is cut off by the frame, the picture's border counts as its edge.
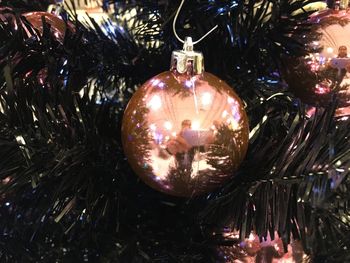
(187, 60)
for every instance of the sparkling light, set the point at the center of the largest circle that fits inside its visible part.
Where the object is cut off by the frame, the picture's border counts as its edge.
(161, 85)
(206, 98)
(234, 125)
(330, 50)
(168, 125)
(155, 82)
(158, 137)
(230, 100)
(195, 125)
(155, 103)
(251, 237)
(188, 83)
(322, 89)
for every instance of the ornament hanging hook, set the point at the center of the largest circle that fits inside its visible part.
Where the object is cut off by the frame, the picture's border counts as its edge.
(174, 27)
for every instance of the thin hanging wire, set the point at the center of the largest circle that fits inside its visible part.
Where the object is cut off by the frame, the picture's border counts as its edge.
(174, 27)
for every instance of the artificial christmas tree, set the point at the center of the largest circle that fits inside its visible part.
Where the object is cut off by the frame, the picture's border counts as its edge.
(68, 193)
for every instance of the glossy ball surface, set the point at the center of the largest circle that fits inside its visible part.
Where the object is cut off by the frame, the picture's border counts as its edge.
(327, 68)
(184, 135)
(57, 25)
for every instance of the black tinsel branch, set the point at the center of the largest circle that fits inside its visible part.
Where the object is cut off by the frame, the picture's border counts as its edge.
(252, 36)
(68, 193)
(302, 183)
(27, 5)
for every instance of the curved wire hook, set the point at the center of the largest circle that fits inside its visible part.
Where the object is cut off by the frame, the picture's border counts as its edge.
(174, 27)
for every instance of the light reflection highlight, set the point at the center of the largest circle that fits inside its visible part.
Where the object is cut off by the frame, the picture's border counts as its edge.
(155, 103)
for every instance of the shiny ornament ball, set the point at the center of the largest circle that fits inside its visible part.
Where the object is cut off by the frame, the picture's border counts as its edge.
(7, 16)
(57, 27)
(57, 24)
(253, 250)
(326, 70)
(185, 135)
(32, 69)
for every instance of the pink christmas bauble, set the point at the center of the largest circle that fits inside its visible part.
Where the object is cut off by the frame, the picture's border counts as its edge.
(326, 69)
